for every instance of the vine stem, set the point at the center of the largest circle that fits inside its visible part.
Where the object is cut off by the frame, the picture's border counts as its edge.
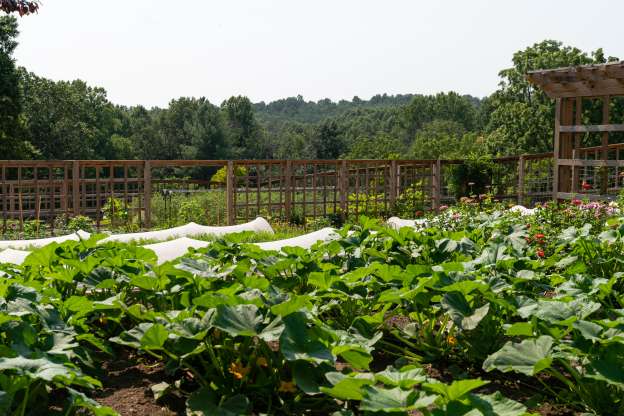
(25, 401)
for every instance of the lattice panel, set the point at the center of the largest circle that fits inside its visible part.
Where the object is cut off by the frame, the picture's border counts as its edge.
(538, 180)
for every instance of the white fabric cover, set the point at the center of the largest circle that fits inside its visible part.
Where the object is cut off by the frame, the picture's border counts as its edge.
(170, 250)
(41, 242)
(304, 241)
(522, 210)
(191, 229)
(396, 223)
(13, 256)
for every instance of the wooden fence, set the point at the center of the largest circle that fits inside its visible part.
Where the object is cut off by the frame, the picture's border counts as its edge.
(285, 189)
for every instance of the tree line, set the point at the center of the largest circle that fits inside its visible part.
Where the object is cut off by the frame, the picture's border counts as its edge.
(45, 119)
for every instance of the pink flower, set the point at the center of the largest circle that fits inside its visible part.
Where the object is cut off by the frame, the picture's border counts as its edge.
(443, 207)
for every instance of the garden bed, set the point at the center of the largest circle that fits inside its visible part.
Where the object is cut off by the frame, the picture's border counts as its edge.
(480, 312)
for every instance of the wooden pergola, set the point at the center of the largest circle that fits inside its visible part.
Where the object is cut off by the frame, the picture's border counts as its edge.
(570, 87)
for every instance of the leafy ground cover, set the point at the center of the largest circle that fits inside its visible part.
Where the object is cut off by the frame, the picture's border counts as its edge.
(483, 312)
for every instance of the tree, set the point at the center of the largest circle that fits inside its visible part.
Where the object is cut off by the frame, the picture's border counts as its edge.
(444, 139)
(243, 130)
(382, 146)
(519, 117)
(142, 132)
(23, 7)
(191, 128)
(445, 106)
(67, 120)
(12, 140)
(327, 141)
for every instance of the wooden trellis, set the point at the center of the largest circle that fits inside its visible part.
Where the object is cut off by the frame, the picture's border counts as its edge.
(280, 189)
(578, 170)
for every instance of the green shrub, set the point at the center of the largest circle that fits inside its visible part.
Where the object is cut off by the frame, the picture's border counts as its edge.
(221, 175)
(471, 177)
(80, 222)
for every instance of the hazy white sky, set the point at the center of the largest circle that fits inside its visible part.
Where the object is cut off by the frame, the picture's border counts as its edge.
(148, 52)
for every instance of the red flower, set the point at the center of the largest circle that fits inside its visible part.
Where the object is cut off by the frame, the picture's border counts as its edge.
(577, 202)
(540, 253)
(586, 186)
(419, 213)
(539, 236)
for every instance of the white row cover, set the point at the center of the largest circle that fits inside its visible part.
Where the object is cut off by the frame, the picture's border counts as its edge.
(304, 241)
(13, 256)
(41, 242)
(396, 223)
(171, 250)
(524, 211)
(190, 230)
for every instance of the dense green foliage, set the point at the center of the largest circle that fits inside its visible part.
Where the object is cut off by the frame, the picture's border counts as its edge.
(41, 118)
(366, 324)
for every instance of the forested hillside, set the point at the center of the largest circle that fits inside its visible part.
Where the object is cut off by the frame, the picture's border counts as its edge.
(46, 119)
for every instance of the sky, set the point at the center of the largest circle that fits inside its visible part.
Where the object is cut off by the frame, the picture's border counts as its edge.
(151, 51)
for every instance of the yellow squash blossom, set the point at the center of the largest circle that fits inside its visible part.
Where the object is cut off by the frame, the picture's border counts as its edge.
(287, 387)
(238, 371)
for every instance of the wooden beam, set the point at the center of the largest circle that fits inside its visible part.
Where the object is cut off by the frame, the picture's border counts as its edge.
(583, 88)
(230, 186)
(604, 174)
(76, 187)
(591, 197)
(520, 190)
(566, 145)
(593, 163)
(595, 128)
(556, 148)
(147, 193)
(578, 120)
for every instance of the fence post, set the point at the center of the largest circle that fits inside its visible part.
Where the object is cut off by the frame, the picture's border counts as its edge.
(393, 182)
(343, 181)
(147, 193)
(521, 180)
(76, 187)
(288, 181)
(230, 184)
(437, 184)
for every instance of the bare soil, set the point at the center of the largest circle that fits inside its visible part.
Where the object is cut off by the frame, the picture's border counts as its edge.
(127, 381)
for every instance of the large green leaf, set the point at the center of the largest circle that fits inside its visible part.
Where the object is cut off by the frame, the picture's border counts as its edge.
(347, 387)
(609, 366)
(557, 311)
(44, 369)
(463, 315)
(406, 377)
(154, 337)
(294, 304)
(456, 390)
(244, 320)
(527, 357)
(378, 399)
(496, 404)
(204, 402)
(297, 342)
